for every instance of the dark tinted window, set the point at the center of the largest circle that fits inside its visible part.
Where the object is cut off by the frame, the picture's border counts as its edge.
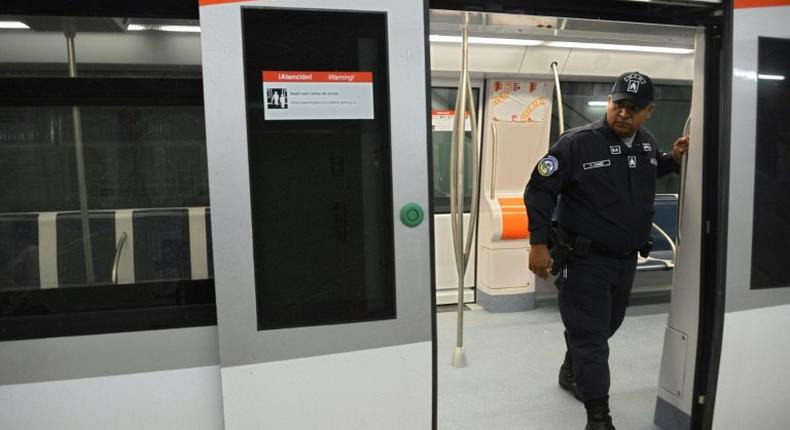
(104, 209)
(771, 231)
(321, 189)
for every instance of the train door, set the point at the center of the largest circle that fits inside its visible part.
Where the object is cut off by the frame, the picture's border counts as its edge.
(753, 300)
(318, 170)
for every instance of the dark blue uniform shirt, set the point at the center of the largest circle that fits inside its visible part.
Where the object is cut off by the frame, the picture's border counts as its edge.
(607, 188)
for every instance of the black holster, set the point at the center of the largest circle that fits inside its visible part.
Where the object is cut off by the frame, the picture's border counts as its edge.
(562, 245)
(559, 248)
(644, 251)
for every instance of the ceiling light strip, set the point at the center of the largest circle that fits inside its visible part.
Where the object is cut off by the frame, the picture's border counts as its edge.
(171, 28)
(485, 40)
(580, 45)
(15, 25)
(616, 47)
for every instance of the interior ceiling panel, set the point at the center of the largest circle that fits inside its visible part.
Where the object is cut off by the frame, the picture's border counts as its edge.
(548, 28)
(573, 61)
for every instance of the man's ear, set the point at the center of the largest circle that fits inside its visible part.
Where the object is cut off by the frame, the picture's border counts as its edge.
(650, 108)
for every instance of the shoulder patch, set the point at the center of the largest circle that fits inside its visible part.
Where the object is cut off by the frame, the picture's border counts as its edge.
(548, 165)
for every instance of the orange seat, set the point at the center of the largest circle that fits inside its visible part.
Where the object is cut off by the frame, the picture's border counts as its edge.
(515, 224)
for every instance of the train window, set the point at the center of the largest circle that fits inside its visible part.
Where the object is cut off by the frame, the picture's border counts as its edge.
(35, 46)
(442, 109)
(104, 218)
(673, 104)
(321, 186)
(771, 233)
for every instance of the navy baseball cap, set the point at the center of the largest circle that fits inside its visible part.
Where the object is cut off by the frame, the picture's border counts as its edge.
(633, 86)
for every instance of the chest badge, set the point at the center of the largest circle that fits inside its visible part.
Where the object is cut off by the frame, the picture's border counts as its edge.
(646, 146)
(653, 161)
(615, 149)
(632, 161)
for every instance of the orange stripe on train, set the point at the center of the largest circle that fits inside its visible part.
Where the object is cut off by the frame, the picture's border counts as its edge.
(742, 4)
(211, 2)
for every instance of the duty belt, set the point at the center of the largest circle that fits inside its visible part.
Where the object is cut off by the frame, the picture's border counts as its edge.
(597, 249)
(583, 246)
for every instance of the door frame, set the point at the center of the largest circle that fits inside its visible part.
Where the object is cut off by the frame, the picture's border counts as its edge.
(716, 19)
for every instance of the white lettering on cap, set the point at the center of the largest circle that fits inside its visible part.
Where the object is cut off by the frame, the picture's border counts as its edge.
(634, 80)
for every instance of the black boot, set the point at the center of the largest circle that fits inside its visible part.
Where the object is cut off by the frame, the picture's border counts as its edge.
(568, 379)
(598, 417)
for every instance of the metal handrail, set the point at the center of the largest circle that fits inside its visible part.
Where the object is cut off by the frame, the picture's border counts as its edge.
(559, 96)
(79, 154)
(474, 210)
(117, 259)
(669, 239)
(494, 142)
(683, 168)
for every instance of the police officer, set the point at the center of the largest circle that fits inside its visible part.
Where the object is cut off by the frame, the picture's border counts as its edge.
(605, 173)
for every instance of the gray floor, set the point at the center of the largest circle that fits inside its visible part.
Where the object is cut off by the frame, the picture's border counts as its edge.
(511, 381)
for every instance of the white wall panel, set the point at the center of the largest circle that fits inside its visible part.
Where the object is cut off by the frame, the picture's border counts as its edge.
(590, 62)
(184, 399)
(444, 265)
(537, 61)
(394, 381)
(754, 386)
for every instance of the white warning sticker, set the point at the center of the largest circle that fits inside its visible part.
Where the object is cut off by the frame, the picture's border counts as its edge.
(305, 95)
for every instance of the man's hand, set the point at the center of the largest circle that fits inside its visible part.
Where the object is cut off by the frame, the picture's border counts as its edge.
(680, 147)
(540, 260)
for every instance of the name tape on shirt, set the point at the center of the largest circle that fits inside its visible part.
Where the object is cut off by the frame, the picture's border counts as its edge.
(653, 161)
(596, 164)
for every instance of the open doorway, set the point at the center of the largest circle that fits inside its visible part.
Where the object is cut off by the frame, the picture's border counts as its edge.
(514, 336)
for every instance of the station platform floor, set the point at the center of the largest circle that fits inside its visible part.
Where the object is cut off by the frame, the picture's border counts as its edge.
(514, 359)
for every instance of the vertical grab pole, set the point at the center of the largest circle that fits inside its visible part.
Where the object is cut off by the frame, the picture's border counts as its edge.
(683, 166)
(559, 96)
(79, 153)
(464, 101)
(474, 207)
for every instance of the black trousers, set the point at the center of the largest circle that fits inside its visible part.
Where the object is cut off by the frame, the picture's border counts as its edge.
(593, 295)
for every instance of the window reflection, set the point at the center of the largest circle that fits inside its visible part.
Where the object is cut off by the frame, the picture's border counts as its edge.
(145, 167)
(442, 105)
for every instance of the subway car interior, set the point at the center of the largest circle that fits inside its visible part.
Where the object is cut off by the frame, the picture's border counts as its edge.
(223, 214)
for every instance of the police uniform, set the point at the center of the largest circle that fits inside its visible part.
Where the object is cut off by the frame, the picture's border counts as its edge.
(607, 191)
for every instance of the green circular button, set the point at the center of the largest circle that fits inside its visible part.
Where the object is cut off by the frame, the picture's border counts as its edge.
(411, 215)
